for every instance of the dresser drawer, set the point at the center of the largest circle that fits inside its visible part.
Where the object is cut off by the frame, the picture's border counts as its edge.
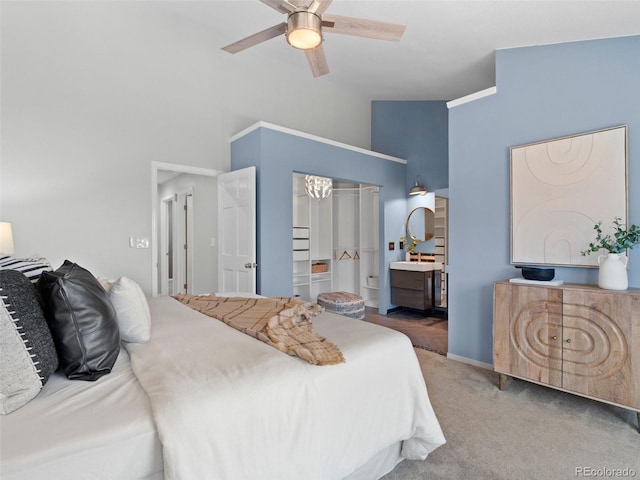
(299, 244)
(407, 279)
(409, 298)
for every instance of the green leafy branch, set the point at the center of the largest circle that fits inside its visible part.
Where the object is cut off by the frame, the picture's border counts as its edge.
(621, 240)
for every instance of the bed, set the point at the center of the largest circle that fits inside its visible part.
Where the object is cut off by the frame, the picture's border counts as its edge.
(202, 400)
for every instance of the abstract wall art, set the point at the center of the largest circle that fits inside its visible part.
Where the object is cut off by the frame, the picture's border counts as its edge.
(559, 189)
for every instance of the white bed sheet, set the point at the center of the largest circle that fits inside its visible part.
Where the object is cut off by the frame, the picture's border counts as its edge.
(83, 430)
(230, 407)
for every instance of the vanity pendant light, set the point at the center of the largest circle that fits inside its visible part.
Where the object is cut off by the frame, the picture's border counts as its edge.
(318, 187)
(418, 188)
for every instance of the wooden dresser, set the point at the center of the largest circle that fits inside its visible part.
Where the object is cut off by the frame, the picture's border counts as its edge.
(577, 338)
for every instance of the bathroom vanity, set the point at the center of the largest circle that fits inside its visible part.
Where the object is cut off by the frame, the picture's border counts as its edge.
(416, 284)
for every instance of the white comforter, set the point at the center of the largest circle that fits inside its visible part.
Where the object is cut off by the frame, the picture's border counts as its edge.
(228, 406)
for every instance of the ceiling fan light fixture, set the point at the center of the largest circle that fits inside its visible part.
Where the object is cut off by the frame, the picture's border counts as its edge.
(304, 30)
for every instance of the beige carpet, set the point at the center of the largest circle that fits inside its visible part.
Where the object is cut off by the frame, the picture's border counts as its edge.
(525, 432)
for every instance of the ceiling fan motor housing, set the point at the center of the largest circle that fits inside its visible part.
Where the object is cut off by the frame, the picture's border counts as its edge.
(304, 30)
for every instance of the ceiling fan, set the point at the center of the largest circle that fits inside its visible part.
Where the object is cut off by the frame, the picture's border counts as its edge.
(305, 25)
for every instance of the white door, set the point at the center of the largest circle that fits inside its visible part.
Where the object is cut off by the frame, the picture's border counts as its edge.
(237, 231)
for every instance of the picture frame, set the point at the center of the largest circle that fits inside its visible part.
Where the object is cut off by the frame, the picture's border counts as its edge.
(562, 187)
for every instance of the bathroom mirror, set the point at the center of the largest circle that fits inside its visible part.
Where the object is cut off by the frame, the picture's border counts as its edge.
(421, 224)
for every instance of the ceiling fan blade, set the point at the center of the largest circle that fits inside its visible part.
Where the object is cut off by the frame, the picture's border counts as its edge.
(319, 6)
(317, 61)
(362, 27)
(256, 38)
(283, 6)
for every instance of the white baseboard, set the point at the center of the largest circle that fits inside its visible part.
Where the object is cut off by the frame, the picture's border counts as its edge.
(470, 361)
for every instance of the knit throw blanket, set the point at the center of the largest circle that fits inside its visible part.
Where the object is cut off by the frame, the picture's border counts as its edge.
(284, 323)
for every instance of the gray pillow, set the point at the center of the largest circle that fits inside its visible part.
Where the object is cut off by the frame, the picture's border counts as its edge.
(28, 355)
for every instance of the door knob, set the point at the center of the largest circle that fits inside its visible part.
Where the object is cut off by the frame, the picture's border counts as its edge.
(250, 265)
(568, 340)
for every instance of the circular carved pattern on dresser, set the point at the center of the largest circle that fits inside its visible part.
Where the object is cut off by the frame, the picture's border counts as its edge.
(582, 341)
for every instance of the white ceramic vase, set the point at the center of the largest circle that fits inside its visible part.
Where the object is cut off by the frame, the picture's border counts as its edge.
(613, 272)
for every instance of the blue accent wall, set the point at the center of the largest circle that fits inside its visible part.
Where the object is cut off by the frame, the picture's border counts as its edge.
(276, 156)
(543, 92)
(417, 132)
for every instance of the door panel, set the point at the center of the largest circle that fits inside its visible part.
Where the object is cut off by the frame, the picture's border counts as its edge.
(528, 333)
(599, 355)
(237, 249)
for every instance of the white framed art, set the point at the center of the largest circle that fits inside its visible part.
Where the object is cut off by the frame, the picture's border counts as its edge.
(560, 188)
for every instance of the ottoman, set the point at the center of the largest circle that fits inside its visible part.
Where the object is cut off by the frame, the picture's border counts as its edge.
(342, 303)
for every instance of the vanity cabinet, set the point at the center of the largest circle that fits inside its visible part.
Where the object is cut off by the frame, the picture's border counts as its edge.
(576, 338)
(415, 289)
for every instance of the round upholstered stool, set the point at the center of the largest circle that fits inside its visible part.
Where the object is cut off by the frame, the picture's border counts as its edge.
(342, 303)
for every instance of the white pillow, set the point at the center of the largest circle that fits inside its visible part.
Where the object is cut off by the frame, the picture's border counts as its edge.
(132, 310)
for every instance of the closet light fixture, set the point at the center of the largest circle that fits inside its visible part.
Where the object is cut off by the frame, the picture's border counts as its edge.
(418, 188)
(6, 238)
(318, 187)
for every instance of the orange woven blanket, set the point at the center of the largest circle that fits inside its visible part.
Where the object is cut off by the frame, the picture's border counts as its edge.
(283, 323)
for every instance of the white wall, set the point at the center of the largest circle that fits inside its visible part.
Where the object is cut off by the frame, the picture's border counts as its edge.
(93, 92)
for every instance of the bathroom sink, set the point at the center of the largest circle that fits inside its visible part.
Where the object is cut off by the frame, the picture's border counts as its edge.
(416, 266)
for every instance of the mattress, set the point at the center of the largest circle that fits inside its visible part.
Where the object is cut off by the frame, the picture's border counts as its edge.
(230, 407)
(83, 430)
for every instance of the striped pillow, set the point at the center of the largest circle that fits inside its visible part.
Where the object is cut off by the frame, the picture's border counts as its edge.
(32, 267)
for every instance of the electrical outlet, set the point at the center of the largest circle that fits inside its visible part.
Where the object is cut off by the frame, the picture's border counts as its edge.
(138, 242)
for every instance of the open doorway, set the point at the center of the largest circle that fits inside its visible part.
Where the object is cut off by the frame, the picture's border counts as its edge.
(184, 229)
(426, 329)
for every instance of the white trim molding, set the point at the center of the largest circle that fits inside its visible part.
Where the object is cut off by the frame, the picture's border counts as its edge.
(471, 97)
(315, 138)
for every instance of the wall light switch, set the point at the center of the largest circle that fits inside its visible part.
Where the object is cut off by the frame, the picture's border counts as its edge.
(132, 242)
(392, 245)
(213, 241)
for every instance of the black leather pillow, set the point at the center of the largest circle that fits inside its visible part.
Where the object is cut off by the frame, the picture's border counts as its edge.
(82, 321)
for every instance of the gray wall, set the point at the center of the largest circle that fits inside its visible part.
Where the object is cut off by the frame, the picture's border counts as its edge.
(542, 93)
(93, 92)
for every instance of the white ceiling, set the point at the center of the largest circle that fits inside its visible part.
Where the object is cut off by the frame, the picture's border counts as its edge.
(447, 50)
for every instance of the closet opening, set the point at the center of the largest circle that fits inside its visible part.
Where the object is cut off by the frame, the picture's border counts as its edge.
(336, 241)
